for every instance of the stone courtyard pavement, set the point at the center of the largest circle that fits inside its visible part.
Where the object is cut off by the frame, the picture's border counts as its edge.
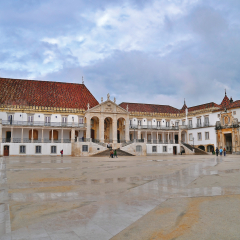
(154, 197)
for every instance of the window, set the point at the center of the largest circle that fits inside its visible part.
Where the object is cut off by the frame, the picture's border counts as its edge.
(80, 120)
(138, 148)
(190, 122)
(198, 122)
(218, 115)
(64, 119)
(53, 149)
(47, 119)
(139, 122)
(22, 149)
(85, 148)
(199, 136)
(164, 148)
(176, 124)
(206, 135)
(38, 149)
(149, 123)
(158, 123)
(234, 112)
(10, 118)
(154, 148)
(183, 122)
(190, 137)
(30, 118)
(206, 121)
(167, 124)
(130, 122)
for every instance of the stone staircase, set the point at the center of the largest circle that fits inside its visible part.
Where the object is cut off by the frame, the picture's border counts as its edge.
(197, 151)
(106, 153)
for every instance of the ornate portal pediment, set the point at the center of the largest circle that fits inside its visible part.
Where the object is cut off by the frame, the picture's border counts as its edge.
(107, 107)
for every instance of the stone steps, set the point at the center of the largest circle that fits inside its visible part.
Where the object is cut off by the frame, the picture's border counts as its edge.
(106, 153)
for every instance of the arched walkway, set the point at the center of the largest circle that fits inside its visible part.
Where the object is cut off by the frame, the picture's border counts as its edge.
(108, 130)
(120, 130)
(210, 148)
(95, 128)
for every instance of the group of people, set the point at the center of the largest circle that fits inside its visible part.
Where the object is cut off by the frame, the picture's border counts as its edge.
(113, 153)
(220, 151)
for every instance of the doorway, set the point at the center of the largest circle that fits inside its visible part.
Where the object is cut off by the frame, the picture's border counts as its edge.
(174, 150)
(228, 142)
(176, 139)
(6, 151)
(8, 136)
(118, 136)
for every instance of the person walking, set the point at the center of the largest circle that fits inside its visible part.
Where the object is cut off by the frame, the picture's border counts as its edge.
(115, 153)
(217, 151)
(224, 151)
(61, 153)
(111, 153)
(220, 151)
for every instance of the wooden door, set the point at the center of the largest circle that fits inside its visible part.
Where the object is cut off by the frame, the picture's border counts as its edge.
(6, 151)
(55, 135)
(35, 134)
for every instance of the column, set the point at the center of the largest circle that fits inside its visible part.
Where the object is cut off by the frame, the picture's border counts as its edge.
(139, 134)
(42, 136)
(0, 132)
(127, 128)
(11, 134)
(88, 133)
(72, 135)
(52, 136)
(22, 136)
(62, 136)
(1, 137)
(101, 129)
(114, 128)
(233, 141)
(32, 136)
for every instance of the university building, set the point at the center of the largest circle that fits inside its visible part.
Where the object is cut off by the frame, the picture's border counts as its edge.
(42, 118)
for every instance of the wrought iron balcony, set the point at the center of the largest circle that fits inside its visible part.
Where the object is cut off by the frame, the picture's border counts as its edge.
(43, 124)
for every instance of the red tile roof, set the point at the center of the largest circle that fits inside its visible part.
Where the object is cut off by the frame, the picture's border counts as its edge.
(45, 93)
(203, 106)
(143, 107)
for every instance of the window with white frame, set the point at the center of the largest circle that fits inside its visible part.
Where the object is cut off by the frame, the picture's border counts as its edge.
(30, 118)
(234, 112)
(10, 118)
(22, 149)
(158, 123)
(190, 122)
(167, 123)
(130, 122)
(176, 123)
(38, 149)
(206, 135)
(206, 121)
(183, 122)
(85, 148)
(164, 148)
(198, 122)
(47, 119)
(139, 122)
(53, 149)
(64, 119)
(199, 136)
(190, 137)
(80, 120)
(139, 148)
(154, 148)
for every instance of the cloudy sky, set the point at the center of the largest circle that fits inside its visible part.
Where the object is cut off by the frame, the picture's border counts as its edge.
(148, 51)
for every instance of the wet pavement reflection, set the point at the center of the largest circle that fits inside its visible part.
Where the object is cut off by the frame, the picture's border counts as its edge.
(105, 213)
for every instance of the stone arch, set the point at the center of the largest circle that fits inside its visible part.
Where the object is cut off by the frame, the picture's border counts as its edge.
(210, 148)
(121, 123)
(94, 128)
(201, 147)
(108, 129)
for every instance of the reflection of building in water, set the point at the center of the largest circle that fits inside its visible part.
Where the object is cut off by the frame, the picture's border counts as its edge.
(42, 118)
